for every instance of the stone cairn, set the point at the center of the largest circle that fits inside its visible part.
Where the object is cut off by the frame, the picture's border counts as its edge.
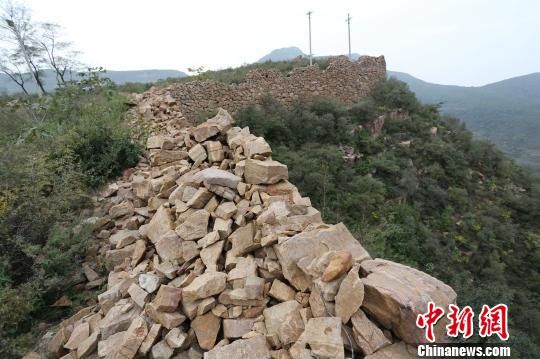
(214, 254)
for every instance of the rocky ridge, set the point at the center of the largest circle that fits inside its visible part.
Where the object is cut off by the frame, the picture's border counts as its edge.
(214, 254)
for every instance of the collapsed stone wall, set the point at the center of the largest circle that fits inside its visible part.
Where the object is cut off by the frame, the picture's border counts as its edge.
(214, 254)
(345, 80)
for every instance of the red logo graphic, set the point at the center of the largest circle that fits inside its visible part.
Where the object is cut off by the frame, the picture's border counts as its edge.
(490, 321)
(429, 319)
(494, 321)
(460, 321)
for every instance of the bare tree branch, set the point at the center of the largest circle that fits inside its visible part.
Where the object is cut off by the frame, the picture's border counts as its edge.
(17, 29)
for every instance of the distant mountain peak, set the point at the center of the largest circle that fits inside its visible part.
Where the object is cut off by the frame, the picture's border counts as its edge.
(290, 53)
(283, 54)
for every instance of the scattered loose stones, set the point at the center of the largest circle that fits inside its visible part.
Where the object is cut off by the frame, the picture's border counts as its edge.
(213, 253)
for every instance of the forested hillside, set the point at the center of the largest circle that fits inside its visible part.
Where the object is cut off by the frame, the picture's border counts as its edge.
(505, 112)
(422, 192)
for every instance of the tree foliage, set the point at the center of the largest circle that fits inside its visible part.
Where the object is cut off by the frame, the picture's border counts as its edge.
(29, 47)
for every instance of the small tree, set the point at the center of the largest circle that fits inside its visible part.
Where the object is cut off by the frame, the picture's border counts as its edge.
(59, 54)
(11, 66)
(18, 32)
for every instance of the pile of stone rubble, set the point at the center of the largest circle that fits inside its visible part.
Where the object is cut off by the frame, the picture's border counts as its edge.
(213, 253)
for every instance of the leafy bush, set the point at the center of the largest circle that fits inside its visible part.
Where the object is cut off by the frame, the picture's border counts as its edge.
(49, 169)
(102, 148)
(395, 94)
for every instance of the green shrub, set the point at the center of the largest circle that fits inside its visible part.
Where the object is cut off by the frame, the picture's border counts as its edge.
(395, 94)
(101, 148)
(49, 168)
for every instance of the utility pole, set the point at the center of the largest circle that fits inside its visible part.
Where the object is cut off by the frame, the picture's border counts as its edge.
(349, 30)
(310, 53)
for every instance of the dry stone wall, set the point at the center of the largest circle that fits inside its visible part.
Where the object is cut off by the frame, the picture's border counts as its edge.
(214, 254)
(343, 79)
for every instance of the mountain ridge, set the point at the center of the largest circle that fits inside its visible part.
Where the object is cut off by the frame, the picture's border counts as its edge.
(119, 77)
(506, 112)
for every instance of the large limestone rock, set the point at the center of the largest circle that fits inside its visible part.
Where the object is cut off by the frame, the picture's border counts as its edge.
(110, 345)
(366, 334)
(169, 246)
(214, 176)
(281, 291)
(115, 257)
(162, 157)
(124, 237)
(257, 146)
(236, 328)
(396, 294)
(323, 336)
(265, 172)
(350, 295)
(206, 329)
(204, 286)
(118, 318)
(195, 226)
(168, 320)
(79, 334)
(123, 209)
(285, 321)
(217, 124)
(243, 240)
(160, 224)
(253, 348)
(85, 349)
(300, 254)
(340, 263)
(167, 298)
(132, 340)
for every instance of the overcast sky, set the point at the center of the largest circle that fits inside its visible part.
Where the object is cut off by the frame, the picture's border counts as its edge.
(462, 42)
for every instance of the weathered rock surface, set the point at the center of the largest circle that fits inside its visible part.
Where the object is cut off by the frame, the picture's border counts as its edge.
(323, 336)
(204, 286)
(217, 177)
(265, 172)
(396, 294)
(253, 348)
(366, 334)
(206, 329)
(302, 257)
(350, 295)
(132, 340)
(160, 224)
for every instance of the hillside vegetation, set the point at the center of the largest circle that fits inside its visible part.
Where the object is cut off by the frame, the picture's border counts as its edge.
(505, 112)
(53, 152)
(444, 203)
